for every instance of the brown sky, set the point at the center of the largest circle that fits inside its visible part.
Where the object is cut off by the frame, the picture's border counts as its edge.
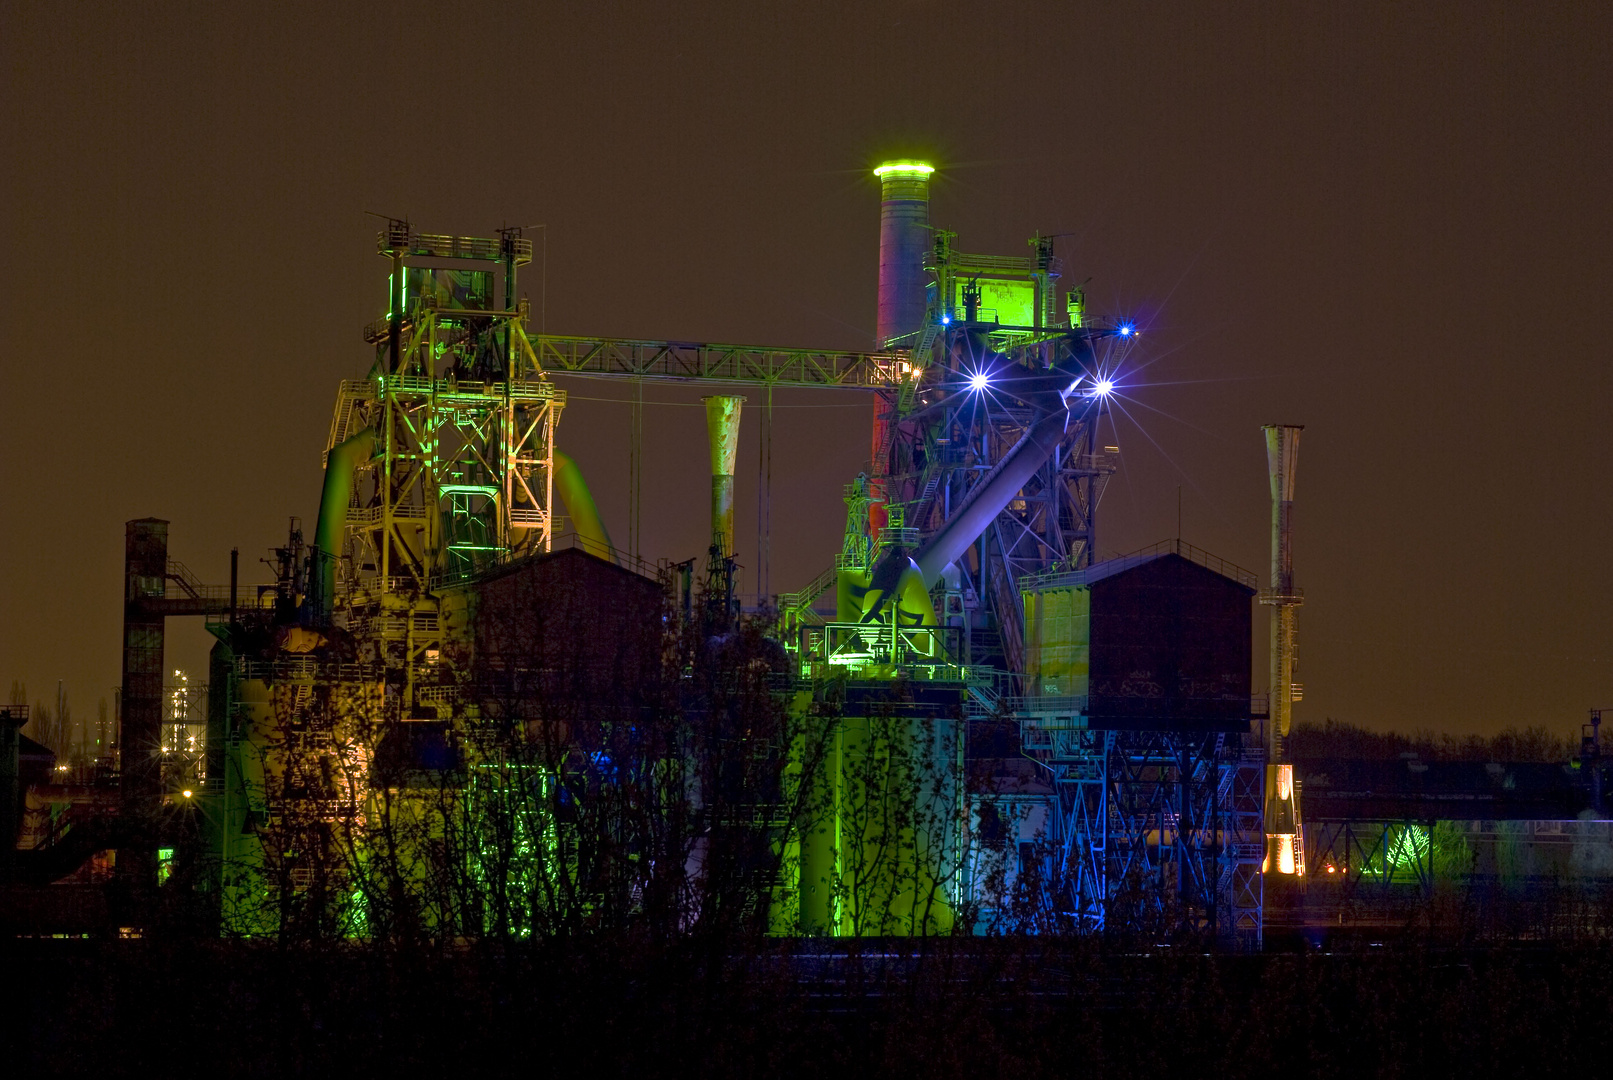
(1389, 223)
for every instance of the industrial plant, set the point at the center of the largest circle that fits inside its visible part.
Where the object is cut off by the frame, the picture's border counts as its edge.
(461, 709)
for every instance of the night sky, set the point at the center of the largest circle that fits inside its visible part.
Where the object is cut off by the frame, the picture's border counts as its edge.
(1389, 223)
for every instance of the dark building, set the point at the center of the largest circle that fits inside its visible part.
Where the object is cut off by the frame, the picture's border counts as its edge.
(1156, 641)
(1170, 646)
(575, 626)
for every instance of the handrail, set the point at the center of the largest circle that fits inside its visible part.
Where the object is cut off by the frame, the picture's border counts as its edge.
(558, 543)
(444, 246)
(804, 598)
(182, 584)
(1061, 579)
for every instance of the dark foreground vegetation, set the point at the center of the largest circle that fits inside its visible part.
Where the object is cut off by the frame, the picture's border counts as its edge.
(1337, 739)
(954, 1008)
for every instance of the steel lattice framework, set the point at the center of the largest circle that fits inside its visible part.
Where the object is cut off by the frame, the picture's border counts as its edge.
(1155, 832)
(463, 418)
(463, 422)
(943, 435)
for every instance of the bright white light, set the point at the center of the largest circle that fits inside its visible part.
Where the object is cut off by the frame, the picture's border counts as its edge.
(1103, 387)
(978, 381)
(1127, 329)
(946, 320)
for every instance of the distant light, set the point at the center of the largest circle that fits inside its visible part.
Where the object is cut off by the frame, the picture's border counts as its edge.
(979, 381)
(903, 168)
(1127, 329)
(1104, 387)
(946, 320)
(185, 793)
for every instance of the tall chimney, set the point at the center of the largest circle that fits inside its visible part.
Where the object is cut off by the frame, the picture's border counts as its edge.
(145, 578)
(722, 425)
(904, 239)
(1284, 833)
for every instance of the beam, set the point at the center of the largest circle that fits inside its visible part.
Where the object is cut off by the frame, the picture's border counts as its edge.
(742, 365)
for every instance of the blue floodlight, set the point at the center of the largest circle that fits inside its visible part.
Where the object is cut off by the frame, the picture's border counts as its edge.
(1127, 329)
(979, 381)
(1104, 387)
(946, 320)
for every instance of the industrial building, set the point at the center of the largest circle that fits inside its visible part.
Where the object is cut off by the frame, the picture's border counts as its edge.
(461, 709)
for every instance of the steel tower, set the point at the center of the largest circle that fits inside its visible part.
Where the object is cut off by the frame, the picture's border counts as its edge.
(440, 464)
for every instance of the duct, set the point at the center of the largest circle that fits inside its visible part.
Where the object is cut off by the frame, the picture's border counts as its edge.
(340, 463)
(981, 507)
(913, 607)
(722, 426)
(581, 509)
(988, 498)
(856, 601)
(851, 595)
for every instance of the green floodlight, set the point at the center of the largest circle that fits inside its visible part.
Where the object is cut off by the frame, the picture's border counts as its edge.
(904, 168)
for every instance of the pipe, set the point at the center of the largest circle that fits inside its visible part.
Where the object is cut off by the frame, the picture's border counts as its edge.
(978, 511)
(581, 508)
(722, 426)
(913, 607)
(982, 505)
(340, 463)
(1045, 391)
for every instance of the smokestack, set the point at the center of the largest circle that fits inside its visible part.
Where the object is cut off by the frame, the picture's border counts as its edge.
(145, 578)
(722, 425)
(1282, 451)
(1283, 829)
(904, 239)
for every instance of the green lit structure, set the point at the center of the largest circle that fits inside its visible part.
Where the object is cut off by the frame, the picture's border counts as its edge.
(369, 707)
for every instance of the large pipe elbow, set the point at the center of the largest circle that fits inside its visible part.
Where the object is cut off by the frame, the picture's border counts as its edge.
(581, 508)
(340, 464)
